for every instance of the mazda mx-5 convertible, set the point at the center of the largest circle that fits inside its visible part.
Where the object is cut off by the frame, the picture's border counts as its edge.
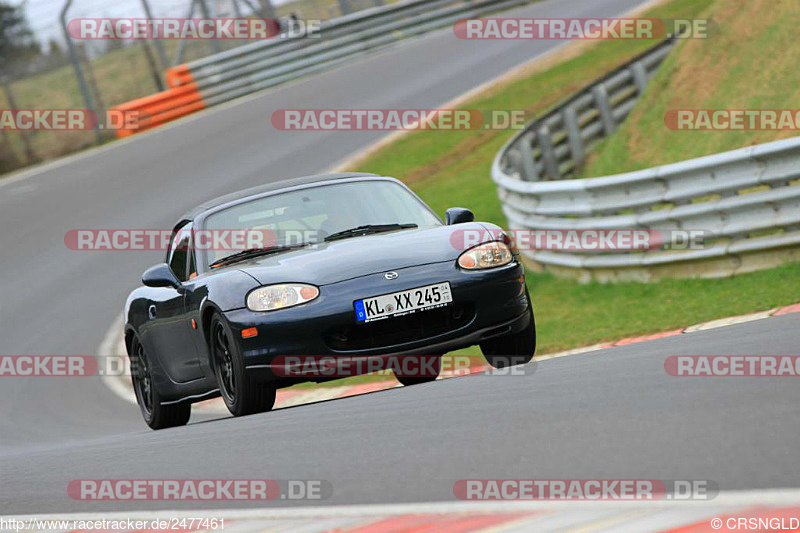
(356, 265)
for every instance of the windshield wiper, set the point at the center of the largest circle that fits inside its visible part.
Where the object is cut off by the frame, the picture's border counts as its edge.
(256, 252)
(366, 230)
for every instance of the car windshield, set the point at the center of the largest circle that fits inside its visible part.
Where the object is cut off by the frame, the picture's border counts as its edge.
(310, 215)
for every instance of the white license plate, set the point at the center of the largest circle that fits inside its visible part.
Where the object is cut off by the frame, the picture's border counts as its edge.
(403, 302)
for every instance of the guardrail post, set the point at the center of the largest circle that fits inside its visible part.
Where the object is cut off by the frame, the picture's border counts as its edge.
(267, 9)
(606, 116)
(76, 62)
(182, 42)
(528, 168)
(207, 15)
(162, 54)
(640, 77)
(574, 135)
(548, 153)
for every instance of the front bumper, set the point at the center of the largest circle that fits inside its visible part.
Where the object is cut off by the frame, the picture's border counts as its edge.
(485, 304)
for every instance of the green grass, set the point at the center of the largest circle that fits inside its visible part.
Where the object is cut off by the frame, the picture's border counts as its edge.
(751, 64)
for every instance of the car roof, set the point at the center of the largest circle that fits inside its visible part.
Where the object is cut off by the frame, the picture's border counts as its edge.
(239, 196)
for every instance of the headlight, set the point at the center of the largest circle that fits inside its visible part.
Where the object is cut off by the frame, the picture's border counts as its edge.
(274, 297)
(489, 255)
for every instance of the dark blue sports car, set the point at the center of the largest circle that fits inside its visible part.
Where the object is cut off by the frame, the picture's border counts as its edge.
(355, 265)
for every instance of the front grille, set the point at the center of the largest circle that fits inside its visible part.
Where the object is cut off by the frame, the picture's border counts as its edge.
(399, 330)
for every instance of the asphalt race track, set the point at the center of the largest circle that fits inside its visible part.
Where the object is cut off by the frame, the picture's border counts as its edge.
(611, 414)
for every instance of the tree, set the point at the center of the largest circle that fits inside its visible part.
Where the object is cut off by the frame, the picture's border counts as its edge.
(17, 47)
(17, 42)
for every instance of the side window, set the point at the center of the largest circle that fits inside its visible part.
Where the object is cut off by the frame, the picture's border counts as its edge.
(192, 265)
(180, 251)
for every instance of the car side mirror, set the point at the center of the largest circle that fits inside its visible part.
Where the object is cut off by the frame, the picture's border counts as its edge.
(160, 276)
(458, 215)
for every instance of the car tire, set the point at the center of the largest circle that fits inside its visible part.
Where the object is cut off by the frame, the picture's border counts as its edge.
(417, 380)
(242, 394)
(157, 415)
(514, 349)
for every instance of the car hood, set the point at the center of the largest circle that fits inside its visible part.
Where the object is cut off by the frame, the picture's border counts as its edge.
(345, 259)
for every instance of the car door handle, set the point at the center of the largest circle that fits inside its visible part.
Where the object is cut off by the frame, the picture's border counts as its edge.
(151, 312)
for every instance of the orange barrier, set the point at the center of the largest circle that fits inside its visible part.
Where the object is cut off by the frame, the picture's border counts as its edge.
(178, 76)
(178, 101)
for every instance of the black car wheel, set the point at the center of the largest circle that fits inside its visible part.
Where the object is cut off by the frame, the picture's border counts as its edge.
(416, 380)
(514, 349)
(155, 414)
(242, 394)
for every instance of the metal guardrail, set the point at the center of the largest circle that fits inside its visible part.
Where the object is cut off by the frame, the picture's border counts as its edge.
(748, 199)
(228, 75)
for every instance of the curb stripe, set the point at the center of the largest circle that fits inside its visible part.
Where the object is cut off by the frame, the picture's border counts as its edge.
(645, 338)
(786, 310)
(418, 523)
